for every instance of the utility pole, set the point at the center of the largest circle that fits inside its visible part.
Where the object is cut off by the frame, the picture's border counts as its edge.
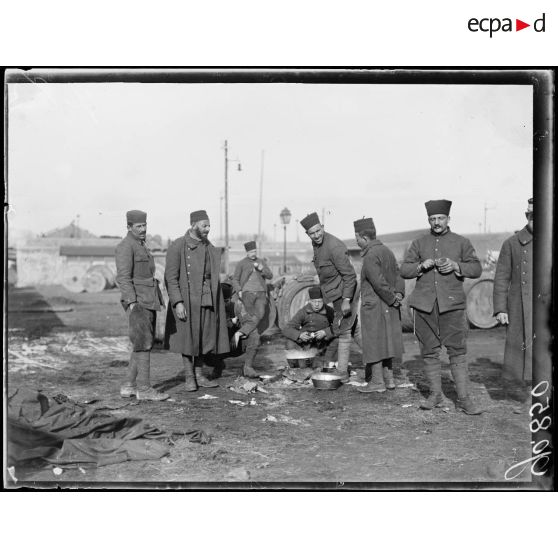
(239, 168)
(221, 197)
(261, 198)
(226, 207)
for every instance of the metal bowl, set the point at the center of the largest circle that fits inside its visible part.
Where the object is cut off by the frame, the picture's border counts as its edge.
(301, 362)
(329, 370)
(326, 381)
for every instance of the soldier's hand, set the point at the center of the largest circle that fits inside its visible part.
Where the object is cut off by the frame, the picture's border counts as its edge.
(319, 335)
(131, 306)
(399, 296)
(181, 312)
(305, 336)
(448, 267)
(396, 303)
(240, 295)
(236, 338)
(258, 266)
(346, 307)
(502, 318)
(427, 264)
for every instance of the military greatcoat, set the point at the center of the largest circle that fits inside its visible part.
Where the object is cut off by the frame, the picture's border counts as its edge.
(513, 294)
(186, 273)
(380, 320)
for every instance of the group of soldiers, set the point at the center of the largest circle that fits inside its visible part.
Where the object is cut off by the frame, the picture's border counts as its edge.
(201, 328)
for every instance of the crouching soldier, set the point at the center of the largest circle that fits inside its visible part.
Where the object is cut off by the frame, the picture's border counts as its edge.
(141, 298)
(311, 327)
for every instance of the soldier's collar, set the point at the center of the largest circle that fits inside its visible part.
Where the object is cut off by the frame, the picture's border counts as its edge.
(442, 234)
(137, 240)
(194, 242)
(525, 236)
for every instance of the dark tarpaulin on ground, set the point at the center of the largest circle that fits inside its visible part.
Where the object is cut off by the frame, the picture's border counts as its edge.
(63, 432)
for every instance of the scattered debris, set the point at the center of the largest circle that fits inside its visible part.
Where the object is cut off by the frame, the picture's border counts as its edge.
(82, 470)
(165, 460)
(57, 471)
(283, 418)
(243, 386)
(207, 396)
(253, 401)
(237, 402)
(407, 405)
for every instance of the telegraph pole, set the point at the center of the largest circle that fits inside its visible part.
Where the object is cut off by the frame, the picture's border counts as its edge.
(261, 197)
(226, 207)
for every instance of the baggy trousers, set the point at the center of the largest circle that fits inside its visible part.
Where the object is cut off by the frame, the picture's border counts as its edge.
(434, 330)
(254, 304)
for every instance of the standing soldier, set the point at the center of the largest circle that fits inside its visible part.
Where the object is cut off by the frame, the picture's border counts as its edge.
(440, 260)
(141, 298)
(196, 318)
(380, 314)
(249, 282)
(338, 282)
(513, 299)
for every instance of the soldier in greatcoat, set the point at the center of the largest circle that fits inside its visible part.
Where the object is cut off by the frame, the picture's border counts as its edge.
(196, 319)
(381, 292)
(249, 282)
(513, 301)
(141, 298)
(440, 260)
(338, 282)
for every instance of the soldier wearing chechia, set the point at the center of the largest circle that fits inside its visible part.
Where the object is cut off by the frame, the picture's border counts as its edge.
(141, 298)
(249, 282)
(338, 283)
(440, 260)
(513, 303)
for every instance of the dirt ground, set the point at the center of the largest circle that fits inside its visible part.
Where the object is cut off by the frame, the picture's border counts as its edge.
(290, 432)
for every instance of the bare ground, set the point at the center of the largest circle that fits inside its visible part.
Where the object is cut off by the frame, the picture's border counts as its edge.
(312, 436)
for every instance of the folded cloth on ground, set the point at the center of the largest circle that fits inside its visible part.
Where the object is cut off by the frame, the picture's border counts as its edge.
(63, 432)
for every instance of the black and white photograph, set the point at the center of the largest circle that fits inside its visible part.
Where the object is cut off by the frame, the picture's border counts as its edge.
(296, 278)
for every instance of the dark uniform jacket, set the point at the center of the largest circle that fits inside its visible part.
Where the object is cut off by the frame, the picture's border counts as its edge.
(335, 271)
(513, 294)
(245, 268)
(306, 319)
(380, 320)
(432, 285)
(185, 276)
(135, 270)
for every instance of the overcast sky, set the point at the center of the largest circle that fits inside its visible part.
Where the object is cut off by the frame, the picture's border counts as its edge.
(356, 150)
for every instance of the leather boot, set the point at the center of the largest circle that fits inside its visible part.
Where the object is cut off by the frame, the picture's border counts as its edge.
(460, 373)
(343, 354)
(129, 388)
(252, 344)
(433, 371)
(145, 392)
(201, 380)
(190, 383)
(400, 375)
(388, 374)
(376, 383)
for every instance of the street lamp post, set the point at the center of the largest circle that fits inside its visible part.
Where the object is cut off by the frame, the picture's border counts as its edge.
(285, 216)
(239, 168)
